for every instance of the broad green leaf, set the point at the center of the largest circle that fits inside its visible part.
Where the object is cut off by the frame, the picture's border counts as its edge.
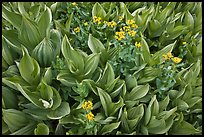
(182, 105)
(109, 86)
(138, 92)
(136, 112)
(116, 106)
(9, 99)
(22, 9)
(109, 128)
(12, 81)
(163, 127)
(91, 64)
(107, 120)
(68, 23)
(194, 100)
(12, 37)
(44, 22)
(148, 111)
(56, 99)
(29, 33)
(98, 11)
(182, 128)
(60, 112)
(66, 79)
(41, 129)
(7, 52)
(55, 37)
(29, 68)
(43, 53)
(130, 81)
(15, 119)
(118, 88)
(69, 119)
(177, 31)
(48, 76)
(12, 17)
(27, 130)
(166, 114)
(70, 53)
(155, 108)
(188, 20)
(155, 123)
(124, 122)
(105, 101)
(95, 45)
(31, 96)
(164, 103)
(45, 90)
(108, 75)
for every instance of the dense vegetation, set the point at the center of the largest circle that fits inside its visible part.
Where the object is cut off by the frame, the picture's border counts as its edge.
(101, 68)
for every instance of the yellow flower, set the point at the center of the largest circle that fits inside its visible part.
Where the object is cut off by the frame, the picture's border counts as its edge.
(126, 28)
(169, 55)
(138, 45)
(97, 20)
(77, 29)
(87, 105)
(86, 24)
(176, 59)
(90, 116)
(130, 22)
(120, 35)
(74, 3)
(132, 33)
(184, 43)
(134, 26)
(112, 24)
(165, 57)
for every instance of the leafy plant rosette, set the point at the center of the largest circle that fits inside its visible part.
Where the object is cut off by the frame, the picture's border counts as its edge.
(101, 68)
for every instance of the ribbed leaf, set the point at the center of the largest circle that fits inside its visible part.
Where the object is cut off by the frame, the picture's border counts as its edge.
(29, 68)
(95, 45)
(41, 129)
(15, 119)
(44, 22)
(109, 128)
(98, 11)
(138, 92)
(60, 112)
(29, 33)
(13, 18)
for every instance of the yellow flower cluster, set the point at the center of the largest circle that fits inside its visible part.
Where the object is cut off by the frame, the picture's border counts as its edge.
(87, 105)
(170, 56)
(120, 35)
(77, 29)
(90, 116)
(176, 59)
(97, 20)
(132, 33)
(132, 23)
(112, 24)
(138, 45)
(167, 56)
(126, 28)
